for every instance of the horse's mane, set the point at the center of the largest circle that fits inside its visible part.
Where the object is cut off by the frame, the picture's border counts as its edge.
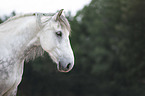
(63, 21)
(27, 15)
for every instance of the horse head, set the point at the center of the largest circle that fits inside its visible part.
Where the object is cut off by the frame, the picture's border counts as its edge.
(54, 39)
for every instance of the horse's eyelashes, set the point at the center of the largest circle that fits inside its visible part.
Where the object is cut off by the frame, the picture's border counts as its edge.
(59, 33)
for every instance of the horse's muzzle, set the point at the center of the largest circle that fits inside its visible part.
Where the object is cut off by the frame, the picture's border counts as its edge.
(64, 67)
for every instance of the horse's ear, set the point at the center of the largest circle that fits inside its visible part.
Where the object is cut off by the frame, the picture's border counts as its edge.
(57, 15)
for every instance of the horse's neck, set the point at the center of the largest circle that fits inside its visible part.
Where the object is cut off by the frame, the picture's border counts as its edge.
(21, 35)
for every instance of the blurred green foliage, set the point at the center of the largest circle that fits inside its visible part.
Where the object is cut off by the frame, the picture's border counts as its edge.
(108, 40)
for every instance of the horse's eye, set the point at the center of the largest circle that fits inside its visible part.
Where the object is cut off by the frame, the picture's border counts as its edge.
(59, 34)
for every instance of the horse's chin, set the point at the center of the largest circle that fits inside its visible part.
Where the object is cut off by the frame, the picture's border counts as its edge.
(63, 71)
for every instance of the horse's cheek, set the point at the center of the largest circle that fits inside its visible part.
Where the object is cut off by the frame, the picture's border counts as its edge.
(47, 42)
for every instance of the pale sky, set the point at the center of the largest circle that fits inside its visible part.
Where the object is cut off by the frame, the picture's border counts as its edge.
(46, 6)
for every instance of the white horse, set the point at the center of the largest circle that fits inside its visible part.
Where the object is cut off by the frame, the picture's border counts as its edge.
(26, 36)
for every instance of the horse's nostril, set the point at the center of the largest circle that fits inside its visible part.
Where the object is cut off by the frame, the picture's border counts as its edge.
(68, 66)
(64, 68)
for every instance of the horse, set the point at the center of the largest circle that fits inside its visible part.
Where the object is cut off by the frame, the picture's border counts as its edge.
(25, 37)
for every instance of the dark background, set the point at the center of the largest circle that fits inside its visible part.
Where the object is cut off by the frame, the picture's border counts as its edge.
(108, 39)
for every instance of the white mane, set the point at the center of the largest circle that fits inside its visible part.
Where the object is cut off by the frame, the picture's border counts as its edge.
(17, 17)
(63, 21)
(26, 15)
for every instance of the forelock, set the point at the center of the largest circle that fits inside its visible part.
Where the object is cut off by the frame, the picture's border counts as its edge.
(64, 22)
